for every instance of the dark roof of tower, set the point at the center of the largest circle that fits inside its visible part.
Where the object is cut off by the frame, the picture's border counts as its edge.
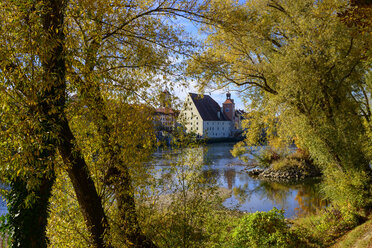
(207, 107)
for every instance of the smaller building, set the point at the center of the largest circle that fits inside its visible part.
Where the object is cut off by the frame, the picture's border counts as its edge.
(239, 117)
(165, 116)
(165, 119)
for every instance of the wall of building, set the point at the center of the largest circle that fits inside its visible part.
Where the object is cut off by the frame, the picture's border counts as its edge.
(167, 121)
(217, 129)
(190, 117)
(192, 121)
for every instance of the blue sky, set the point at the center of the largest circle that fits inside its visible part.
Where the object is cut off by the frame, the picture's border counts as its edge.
(218, 95)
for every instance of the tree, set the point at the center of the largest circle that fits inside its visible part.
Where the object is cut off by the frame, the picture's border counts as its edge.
(302, 70)
(99, 51)
(28, 121)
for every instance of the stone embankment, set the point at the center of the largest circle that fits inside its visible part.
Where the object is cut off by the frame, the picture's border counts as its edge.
(285, 174)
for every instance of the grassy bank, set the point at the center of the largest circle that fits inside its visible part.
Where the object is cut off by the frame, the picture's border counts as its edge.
(334, 227)
(359, 237)
(200, 220)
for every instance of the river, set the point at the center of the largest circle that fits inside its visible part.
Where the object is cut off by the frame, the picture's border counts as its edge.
(248, 194)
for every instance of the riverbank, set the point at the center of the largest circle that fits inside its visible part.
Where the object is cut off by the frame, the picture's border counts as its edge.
(285, 174)
(223, 140)
(359, 237)
(334, 227)
(211, 221)
(287, 168)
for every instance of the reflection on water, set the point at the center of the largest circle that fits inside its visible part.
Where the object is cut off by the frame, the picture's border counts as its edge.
(3, 207)
(249, 194)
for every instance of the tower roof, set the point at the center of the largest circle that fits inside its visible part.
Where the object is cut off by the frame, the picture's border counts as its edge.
(228, 101)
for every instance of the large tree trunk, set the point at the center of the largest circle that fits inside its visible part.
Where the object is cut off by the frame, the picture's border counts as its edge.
(52, 103)
(124, 196)
(29, 221)
(117, 176)
(28, 207)
(86, 193)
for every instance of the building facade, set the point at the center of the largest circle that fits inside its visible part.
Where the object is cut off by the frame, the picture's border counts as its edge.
(165, 116)
(203, 116)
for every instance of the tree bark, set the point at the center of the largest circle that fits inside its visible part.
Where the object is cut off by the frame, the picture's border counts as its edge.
(117, 176)
(52, 104)
(86, 193)
(29, 222)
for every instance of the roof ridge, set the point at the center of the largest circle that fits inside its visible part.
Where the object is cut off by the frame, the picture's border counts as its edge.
(207, 107)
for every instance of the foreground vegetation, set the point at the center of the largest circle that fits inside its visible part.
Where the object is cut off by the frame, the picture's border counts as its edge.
(76, 133)
(361, 237)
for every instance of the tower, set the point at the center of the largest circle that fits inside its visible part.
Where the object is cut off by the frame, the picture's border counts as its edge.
(229, 107)
(165, 99)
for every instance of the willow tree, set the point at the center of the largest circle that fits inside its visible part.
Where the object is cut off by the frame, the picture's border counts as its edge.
(105, 53)
(301, 71)
(32, 93)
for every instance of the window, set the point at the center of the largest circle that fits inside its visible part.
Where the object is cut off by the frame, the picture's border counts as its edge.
(227, 109)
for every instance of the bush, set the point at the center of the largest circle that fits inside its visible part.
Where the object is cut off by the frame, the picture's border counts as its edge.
(263, 229)
(351, 188)
(206, 225)
(268, 156)
(323, 228)
(299, 160)
(288, 163)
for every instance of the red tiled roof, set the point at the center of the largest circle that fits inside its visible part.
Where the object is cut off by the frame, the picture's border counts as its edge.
(167, 111)
(207, 107)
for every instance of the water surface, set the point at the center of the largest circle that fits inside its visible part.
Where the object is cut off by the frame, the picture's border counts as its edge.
(248, 194)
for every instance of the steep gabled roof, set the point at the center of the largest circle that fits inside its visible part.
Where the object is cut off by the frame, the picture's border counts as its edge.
(207, 107)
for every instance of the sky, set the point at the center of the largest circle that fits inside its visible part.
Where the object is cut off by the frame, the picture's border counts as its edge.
(218, 95)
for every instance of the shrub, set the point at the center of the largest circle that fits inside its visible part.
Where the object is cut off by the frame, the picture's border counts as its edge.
(287, 163)
(268, 156)
(323, 228)
(351, 188)
(263, 229)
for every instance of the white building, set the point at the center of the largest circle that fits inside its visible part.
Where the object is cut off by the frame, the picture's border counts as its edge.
(203, 116)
